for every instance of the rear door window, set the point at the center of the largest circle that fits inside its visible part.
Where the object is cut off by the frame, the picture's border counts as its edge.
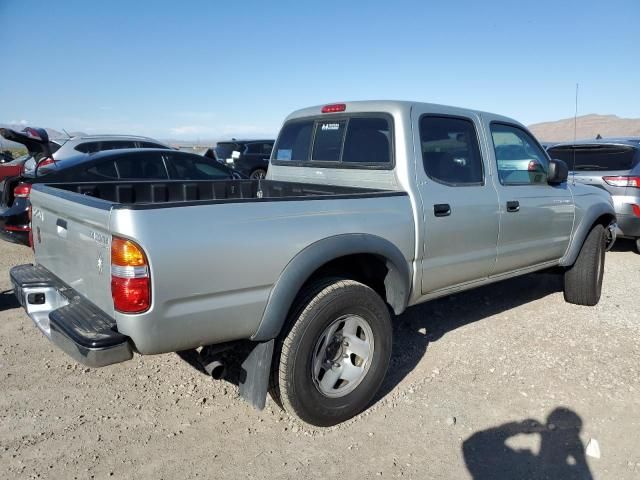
(450, 150)
(194, 167)
(596, 157)
(88, 147)
(106, 170)
(117, 144)
(141, 166)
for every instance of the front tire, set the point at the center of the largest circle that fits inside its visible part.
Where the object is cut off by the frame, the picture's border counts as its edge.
(258, 174)
(336, 353)
(583, 280)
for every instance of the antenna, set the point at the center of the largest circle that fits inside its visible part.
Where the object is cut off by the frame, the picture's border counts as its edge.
(575, 135)
(65, 131)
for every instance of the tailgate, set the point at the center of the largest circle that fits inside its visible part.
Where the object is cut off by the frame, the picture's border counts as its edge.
(71, 239)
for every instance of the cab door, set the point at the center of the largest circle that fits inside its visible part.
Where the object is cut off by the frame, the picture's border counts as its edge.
(536, 218)
(460, 203)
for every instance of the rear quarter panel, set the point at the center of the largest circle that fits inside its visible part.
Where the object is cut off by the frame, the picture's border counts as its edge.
(213, 266)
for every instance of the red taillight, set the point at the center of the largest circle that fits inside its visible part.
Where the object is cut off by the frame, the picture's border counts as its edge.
(22, 190)
(130, 282)
(623, 181)
(333, 108)
(45, 161)
(130, 295)
(636, 209)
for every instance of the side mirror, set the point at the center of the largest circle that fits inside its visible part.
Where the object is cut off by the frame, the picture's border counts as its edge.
(558, 172)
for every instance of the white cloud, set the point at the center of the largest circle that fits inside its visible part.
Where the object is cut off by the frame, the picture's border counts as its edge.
(19, 122)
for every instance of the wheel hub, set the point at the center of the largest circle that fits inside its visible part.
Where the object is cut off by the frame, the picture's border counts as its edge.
(342, 356)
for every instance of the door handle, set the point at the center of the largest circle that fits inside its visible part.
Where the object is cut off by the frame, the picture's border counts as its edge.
(442, 210)
(513, 206)
(61, 228)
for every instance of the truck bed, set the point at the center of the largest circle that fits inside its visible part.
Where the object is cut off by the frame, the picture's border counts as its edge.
(174, 193)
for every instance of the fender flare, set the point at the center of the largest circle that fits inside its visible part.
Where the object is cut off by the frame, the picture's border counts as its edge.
(397, 281)
(589, 218)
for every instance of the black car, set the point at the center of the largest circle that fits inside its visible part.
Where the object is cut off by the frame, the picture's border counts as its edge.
(250, 157)
(126, 164)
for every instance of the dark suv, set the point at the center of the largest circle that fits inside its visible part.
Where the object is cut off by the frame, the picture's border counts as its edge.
(250, 157)
(612, 164)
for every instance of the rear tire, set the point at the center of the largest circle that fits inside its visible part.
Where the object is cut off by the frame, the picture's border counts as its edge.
(583, 281)
(638, 245)
(335, 355)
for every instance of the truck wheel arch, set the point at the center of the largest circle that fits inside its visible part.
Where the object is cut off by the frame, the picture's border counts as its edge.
(397, 281)
(598, 214)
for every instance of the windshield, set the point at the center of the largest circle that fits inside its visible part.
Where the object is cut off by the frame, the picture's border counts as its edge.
(596, 157)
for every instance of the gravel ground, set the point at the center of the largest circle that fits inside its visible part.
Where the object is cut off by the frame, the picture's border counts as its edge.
(507, 381)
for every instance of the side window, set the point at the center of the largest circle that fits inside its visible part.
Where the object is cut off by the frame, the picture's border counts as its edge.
(294, 142)
(103, 170)
(367, 141)
(254, 149)
(88, 147)
(266, 148)
(520, 160)
(450, 150)
(194, 167)
(151, 145)
(117, 144)
(328, 140)
(141, 166)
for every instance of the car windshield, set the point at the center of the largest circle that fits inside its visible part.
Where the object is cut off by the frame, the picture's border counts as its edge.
(596, 157)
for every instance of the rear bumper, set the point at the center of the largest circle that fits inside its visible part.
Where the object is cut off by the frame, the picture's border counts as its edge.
(14, 225)
(71, 322)
(628, 226)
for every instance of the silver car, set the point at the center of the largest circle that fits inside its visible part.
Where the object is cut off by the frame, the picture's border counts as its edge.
(612, 164)
(87, 144)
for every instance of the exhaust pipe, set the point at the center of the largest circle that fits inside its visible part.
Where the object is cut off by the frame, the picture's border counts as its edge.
(216, 368)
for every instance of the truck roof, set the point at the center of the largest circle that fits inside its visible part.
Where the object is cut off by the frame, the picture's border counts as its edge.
(394, 107)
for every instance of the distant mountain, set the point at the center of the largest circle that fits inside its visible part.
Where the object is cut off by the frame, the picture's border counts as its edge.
(588, 126)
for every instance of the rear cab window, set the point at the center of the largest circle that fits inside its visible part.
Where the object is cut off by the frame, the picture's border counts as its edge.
(596, 157)
(345, 141)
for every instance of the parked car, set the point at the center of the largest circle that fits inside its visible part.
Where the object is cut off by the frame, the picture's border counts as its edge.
(250, 157)
(86, 145)
(612, 164)
(361, 216)
(110, 165)
(6, 156)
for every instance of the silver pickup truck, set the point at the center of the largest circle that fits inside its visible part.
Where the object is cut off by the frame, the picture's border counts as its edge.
(368, 208)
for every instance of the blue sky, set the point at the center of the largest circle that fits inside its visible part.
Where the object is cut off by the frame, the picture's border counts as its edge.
(211, 69)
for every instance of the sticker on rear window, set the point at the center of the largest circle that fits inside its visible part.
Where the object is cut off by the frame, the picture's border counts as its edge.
(284, 154)
(330, 126)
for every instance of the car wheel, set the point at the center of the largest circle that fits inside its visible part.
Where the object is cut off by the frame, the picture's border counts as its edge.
(258, 174)
(334, 357)
(583, 280)
(638, 245)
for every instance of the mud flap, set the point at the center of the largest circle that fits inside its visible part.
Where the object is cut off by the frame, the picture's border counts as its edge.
(254, 376)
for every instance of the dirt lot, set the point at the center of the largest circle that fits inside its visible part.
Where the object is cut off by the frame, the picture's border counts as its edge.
(503, 382)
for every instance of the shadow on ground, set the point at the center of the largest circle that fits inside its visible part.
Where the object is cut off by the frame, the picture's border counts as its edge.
(624, 245)
(8, 300)
(561, 453)
(429, 322)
